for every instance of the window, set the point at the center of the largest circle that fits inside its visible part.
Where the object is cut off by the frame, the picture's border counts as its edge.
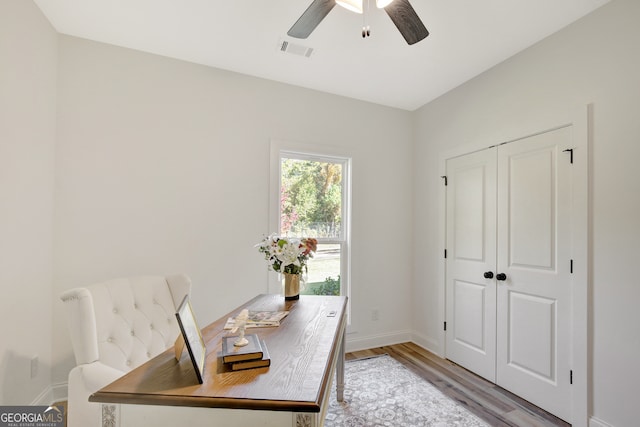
(313, 201)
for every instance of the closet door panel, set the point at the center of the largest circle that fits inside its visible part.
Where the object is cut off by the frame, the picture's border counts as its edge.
(531, 215)
(471, 251)
(533, 247)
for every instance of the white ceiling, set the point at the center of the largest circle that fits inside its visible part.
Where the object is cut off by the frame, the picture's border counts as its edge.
(467, 37)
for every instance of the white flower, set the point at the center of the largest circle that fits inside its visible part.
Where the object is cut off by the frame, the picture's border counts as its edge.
(289, 252)
(286, 254)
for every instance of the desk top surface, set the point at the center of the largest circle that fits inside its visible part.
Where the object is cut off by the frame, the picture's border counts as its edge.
(303, 350)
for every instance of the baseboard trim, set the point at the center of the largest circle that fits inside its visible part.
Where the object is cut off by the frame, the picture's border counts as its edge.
(51, 394)
(60, 391)
(595, 422)
(379, 340)
(391, 338)
(427, 343)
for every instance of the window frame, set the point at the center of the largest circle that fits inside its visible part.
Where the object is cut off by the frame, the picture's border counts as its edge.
(284, 149)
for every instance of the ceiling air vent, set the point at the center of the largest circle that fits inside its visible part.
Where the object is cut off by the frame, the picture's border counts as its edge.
(295, 49)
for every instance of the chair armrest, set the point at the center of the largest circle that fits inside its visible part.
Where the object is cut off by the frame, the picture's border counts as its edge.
(82, 325)
(84, 380)
(97, 375)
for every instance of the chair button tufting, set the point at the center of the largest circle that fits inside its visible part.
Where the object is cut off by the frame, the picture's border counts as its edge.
(149, 355)
(109, 339)
(151, 326)
(128, 362)
(115, 311)
(132, 332)
(135, 305)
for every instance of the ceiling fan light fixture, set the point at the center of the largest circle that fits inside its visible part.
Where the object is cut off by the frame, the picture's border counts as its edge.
(401, 12)
(383, 3)
(352, 5)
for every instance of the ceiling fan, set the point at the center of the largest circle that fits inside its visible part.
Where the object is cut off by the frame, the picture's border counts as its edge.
(400, 11)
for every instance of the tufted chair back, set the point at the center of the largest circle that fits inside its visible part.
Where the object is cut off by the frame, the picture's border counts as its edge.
(116, 326)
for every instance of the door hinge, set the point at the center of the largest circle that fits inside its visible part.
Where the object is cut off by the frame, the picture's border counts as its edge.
(445, 180)
(445, 326)
(571, 377)
(570, 150)
(571, 267)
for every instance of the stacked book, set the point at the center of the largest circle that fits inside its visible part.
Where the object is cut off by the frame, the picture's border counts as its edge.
(252, 355)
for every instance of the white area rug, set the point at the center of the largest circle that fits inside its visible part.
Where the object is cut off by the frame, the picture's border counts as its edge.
(380, 391)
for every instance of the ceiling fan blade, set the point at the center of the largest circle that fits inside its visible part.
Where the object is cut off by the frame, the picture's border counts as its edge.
(406, 19)
(311, 17)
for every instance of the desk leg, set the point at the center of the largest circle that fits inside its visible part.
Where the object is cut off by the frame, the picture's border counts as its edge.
(340, 368)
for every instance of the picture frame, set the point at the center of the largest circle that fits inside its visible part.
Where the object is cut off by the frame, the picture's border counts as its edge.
(192, 337)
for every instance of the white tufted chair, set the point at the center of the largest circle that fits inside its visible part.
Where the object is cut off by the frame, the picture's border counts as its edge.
(116, 326)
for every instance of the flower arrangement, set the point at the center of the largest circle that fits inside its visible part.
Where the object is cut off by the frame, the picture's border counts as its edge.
(287, 254)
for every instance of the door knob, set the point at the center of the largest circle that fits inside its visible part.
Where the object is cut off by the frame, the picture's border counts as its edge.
(501, 276)
(488, 274)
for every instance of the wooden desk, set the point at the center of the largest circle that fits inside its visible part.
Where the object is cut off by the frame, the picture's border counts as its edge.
(306, 349)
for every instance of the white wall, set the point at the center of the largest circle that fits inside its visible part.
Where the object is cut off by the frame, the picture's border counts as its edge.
(28, 49)
(163, 166)
(594, 60)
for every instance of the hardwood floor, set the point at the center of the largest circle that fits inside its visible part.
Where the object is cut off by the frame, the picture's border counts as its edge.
(496, 406)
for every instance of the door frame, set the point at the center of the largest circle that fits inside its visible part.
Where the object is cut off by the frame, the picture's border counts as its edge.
(580, 120)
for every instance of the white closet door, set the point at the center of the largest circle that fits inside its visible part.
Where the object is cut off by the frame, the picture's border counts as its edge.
(471, 251)
(533, 303)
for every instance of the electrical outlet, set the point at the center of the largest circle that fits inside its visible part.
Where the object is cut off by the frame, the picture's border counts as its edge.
(34, 366)
(375, 314)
